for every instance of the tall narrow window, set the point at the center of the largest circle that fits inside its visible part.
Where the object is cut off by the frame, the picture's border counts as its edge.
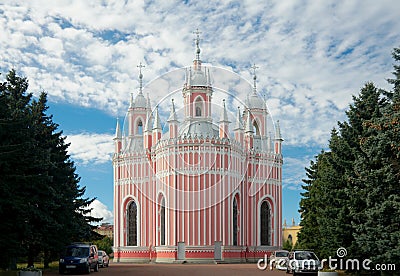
(256, 129)
(140, 127)
(198, 106)
(265, 220)
(132, 224)
(162, 222)
(235, 222)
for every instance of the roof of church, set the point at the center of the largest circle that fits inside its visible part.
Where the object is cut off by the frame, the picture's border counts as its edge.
(198, 128)
(140, 101)
(255, 101)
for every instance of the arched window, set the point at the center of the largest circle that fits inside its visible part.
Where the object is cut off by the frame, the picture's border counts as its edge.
(198, 106)
(265, 221)
(290, 238)
(162, 222)
(256, 129)
(132, 224)
(139, 127)
(235, 222)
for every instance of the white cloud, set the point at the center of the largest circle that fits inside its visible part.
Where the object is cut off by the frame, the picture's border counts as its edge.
(101, 211)
(294, 172)
(313, 55)
(91, 147)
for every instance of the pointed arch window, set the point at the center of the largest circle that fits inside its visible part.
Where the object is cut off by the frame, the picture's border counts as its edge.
(256, 128)
(265, 219)
(132, 224)
(162, 222)
(235, 221)
(198, 106)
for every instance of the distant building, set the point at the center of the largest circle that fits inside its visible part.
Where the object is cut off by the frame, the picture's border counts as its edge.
(290, 232)
(196, 192)
(105, 229)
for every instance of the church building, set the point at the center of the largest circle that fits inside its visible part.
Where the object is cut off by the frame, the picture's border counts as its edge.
(203, 189)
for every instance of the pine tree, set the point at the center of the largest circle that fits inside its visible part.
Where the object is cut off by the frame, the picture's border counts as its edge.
(339, 207)
(360, 180)
(44, 207)
(309, 236)
(379, 170)
(14, 143)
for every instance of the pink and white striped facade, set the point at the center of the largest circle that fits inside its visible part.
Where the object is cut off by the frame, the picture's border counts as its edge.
(200, 191)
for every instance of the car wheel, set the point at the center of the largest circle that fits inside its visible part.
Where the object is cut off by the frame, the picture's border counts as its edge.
(96, 268)
(60, 271)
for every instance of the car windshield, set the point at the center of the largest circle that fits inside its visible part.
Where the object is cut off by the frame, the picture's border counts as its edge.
(100, 253)
(305, 255)
(281, 254)
(77, 252)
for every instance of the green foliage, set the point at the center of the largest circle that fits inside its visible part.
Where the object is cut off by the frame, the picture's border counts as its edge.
(105, 244)
(351, 198)
(288, 245)
(42, 206)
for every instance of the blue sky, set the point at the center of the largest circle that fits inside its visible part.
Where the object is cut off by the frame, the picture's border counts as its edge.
(312, 57)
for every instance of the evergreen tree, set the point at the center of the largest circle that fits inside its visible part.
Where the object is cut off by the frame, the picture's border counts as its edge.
(337, 205)
(358, 181)
(379, 170)
(14, 143)
(43, 208)
(310, 205)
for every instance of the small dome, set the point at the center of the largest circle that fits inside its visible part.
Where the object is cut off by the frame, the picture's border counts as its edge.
(198, 78)
(254, 101)
(140, 101)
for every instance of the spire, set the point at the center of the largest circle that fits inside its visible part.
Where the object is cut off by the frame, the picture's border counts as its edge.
(249, 126)
(189, 76)
(208, 77)
(224, 114)
(270, 147)
(131, 101)
(148, 121)
(148, 104)
(118, 134)
(172, 116)
(239, 124)
(254, 67)
(140, 66)
(157, 123)
(197, 40)
(278, 135)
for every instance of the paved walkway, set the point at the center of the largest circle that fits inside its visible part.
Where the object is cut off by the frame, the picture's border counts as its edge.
(184, 269)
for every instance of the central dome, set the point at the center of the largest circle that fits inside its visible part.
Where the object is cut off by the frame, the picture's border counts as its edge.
(199, 128)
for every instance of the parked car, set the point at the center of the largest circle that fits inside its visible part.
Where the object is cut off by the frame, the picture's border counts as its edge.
(302, 261)
(79, 258)
(279, 259)
(104, 260)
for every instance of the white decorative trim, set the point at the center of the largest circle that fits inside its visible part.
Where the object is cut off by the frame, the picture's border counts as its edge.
(138, 218)
(273, 230)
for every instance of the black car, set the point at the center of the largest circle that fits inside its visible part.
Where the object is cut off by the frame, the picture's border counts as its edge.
(79, 258)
